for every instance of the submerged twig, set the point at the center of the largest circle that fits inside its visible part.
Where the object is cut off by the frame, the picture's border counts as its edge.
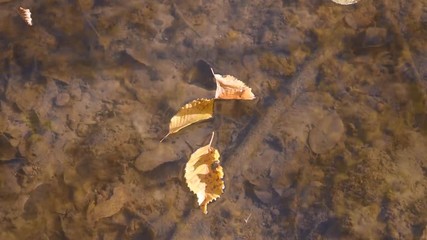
(91, 25)
(89, 22)
(179, 13)
(247, 219)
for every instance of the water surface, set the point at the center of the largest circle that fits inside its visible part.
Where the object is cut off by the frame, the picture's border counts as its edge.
(333, 147)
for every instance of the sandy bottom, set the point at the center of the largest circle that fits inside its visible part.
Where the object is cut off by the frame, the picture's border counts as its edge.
(334, 146)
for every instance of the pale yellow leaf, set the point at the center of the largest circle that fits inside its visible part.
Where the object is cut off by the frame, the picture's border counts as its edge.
(25, 15)
(229, 87)
(203, 175)
(345, 2)
(195, 111)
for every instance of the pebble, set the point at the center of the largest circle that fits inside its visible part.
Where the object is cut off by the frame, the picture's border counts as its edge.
(82, 129)
(76, 92)
(380, 107)
(375, 37)
(62, 99)
(358, 20)
(351, 21)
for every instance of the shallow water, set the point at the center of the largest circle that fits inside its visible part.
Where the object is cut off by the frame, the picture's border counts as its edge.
(334, 146)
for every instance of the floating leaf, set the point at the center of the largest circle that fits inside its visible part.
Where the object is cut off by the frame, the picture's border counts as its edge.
(195, 111)
(26, 15)
(203, 175)
(229, 87)
(345, 2)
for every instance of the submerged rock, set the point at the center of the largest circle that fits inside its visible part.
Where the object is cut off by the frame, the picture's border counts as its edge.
(375, 37)
(8, 183)
(109, 207)
(356, 21)
(326, 134)
(7, 151)
(154, 156)
(264, 196)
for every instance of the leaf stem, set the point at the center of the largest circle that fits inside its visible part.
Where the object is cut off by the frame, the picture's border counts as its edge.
(210, 142)
(164, 137)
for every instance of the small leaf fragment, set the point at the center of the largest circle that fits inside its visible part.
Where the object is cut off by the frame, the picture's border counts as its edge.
(203, 175)
(345, 2)
(195, 111)
(26, 15)
(229, 87)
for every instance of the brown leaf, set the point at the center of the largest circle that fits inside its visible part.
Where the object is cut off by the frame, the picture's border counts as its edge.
(195, 111)
(229, 87)
(25, 15)
(203, 175)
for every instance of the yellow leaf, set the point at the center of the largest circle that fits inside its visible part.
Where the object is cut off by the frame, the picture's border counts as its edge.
(195, 111)
(203, 175)
(229, 87)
